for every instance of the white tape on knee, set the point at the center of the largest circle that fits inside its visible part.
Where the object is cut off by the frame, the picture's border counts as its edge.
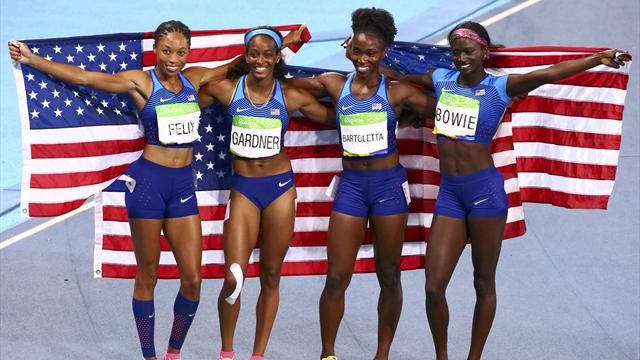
(236, 270)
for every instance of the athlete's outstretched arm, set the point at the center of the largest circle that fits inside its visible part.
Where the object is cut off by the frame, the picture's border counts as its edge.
(425, 79)
(213, 91)
(409, 96)
(123, 82)
(320, 86)
(300, 99)
(520, 84)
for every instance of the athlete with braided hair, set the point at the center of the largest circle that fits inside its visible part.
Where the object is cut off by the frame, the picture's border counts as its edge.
(162, 193)
(373, 187)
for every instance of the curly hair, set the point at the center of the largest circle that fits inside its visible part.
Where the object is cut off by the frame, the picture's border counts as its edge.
(242, 68)
(374, 20)
(172, 26)
(477, 28)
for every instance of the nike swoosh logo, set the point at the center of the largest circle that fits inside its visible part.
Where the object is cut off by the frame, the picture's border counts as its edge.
(241, 110)
(284, 183)
(165, 100)
(152, 315)
(347, 107)
(383, 200)
(480, 201)
(191, 315)
(182, 201)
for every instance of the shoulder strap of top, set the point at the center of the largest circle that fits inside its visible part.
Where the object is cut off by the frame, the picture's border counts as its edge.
(185, 81)
(278, 95)
(238, 92)
(346, 88)
(155, 81)
(382, 88)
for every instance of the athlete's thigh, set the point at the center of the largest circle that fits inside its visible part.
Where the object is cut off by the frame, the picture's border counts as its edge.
(276, 228)
(145, 235)
(486, 242)
(346, 233)
(447, 239)
(388, 237)
(241, 230)
(184, 234)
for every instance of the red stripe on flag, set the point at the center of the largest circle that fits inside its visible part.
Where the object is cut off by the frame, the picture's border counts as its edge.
(566, 138)
(557, 198)
(567, 169)
(587, 109)
(200, 54)
(84, 149)
(67, 180)
(53, 209)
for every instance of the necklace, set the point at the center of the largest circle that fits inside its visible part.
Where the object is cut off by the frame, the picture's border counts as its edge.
(246, 89)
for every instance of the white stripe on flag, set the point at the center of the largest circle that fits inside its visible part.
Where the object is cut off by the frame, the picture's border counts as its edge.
(565, 184)
(567, 123)
(571, 154)
(86, 134)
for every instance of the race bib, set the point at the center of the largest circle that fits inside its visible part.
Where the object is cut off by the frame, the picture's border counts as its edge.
(456, 115)
(255, 137)
(364, 134)
(178, 123)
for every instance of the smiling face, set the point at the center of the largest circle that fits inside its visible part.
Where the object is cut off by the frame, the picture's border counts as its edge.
(367, 51)
(467, 55)
(171, 53)
(262, 55)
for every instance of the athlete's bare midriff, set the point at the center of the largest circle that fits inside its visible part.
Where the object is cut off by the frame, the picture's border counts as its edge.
(273, 165)
(169, 157)
(458, 158)
(363, 164)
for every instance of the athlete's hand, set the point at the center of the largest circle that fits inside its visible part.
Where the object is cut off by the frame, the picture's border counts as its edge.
(294, 36)
(20, 52)
(614, 58)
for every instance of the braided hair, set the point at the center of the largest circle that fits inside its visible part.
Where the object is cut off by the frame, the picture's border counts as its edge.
(374, 20)
(242, 67)
(172, 26)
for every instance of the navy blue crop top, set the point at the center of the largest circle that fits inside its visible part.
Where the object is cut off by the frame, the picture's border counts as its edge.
(469, 113)
(367, 127)
(257, 130)
(170, 119)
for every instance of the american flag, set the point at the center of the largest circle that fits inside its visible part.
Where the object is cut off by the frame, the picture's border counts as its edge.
(526, 150)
